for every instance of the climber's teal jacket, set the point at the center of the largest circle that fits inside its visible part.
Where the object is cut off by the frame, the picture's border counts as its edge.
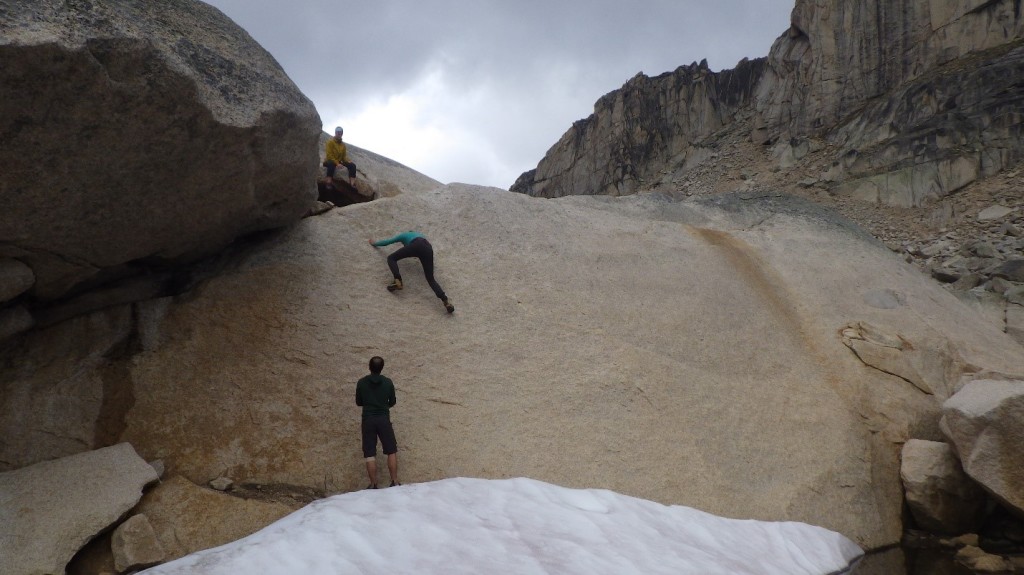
(405, 237)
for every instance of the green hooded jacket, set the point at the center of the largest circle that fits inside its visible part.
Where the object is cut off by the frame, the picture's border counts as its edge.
(375, 394)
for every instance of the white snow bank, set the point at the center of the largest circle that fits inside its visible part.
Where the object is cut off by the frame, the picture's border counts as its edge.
(517, 526)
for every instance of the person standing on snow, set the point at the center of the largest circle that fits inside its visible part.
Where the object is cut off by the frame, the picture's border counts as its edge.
(375, 393)
(414, 245)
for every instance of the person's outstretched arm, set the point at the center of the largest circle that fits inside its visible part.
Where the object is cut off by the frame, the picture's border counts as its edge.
(387, 242)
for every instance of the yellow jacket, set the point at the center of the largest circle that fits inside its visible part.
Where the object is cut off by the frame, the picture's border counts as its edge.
(337, 152)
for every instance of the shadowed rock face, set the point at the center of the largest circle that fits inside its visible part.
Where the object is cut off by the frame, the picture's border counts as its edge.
(135, 133)
(838, 55)
(919, 99)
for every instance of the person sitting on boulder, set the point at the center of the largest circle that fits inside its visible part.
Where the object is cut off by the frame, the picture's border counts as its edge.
(337, 155)
(414, 245)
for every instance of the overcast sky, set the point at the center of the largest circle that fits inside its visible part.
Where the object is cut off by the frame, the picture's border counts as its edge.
(476, 91)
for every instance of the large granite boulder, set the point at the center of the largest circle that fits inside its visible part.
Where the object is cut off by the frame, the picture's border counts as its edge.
(983, 420)
(942, 498)
(51, 509)
(141, 134)
(682, 339)
(185, 518)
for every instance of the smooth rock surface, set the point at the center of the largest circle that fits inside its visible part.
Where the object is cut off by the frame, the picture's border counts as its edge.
(983, 421)
(942, 498)
(681, 336)
(53, 508)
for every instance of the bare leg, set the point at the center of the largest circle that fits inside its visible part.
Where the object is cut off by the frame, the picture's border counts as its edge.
(371, 469)
(393, 468)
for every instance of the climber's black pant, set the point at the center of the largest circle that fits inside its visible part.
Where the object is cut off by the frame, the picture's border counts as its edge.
(331, 167)
(420, 249)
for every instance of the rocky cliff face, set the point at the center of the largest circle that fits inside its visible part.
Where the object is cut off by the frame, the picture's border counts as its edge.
(634, 132)
(915, 98)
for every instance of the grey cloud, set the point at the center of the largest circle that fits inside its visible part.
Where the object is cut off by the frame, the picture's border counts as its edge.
(539, 64)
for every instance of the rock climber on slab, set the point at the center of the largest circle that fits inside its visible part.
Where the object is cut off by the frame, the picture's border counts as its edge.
(414, 245)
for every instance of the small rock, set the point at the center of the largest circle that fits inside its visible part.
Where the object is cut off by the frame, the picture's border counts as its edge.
(999, 285)
(159, 467)
(221, 484)
(945, 276)
(1009, 229)
(966, 282)
(135, 546)
(1012, 270)
(976, 559)
(966, 539)
(957, 264)
(935, 249)
(984, 265)
(994, 213)
(984, 250)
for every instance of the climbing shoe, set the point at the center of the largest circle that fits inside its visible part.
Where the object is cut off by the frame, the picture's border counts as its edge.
(395, 285)
(371, 486)
(394, 483)
(448, 305)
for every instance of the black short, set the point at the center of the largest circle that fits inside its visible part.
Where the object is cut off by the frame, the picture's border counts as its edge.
(374, 427)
